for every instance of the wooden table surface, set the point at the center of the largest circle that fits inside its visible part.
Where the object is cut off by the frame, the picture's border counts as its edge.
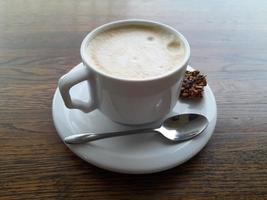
(40, 41)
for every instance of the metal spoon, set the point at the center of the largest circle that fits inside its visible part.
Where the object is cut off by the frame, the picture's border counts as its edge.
(176, 128)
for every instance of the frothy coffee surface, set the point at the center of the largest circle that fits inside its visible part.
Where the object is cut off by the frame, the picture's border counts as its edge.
(136, 52)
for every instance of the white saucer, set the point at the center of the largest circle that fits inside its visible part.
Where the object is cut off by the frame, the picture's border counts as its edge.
(133, 154)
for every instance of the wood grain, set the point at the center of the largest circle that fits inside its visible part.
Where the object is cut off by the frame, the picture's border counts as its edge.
(40, 40)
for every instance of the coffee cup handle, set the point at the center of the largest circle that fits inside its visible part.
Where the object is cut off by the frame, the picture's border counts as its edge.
(73, 77)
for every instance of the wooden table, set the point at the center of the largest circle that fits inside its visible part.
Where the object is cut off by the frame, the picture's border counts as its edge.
(40, 41)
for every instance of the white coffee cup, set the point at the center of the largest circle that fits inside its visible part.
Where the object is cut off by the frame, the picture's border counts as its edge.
(132, 102)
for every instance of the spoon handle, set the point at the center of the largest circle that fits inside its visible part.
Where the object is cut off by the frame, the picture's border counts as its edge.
(88, 137)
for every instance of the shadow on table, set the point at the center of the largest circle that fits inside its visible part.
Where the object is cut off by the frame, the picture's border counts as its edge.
(157, 184)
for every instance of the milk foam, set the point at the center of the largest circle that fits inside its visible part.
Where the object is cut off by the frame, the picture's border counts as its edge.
(136, 52)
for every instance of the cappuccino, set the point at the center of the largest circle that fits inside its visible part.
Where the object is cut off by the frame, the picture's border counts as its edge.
(136, 52)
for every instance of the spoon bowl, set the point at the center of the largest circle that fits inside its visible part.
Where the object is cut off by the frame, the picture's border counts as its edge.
(177, 128)
(183, 127)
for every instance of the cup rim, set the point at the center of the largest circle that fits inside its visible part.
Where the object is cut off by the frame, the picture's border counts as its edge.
(85, 57)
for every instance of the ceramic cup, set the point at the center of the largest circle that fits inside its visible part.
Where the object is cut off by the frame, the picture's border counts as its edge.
(132, 102)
